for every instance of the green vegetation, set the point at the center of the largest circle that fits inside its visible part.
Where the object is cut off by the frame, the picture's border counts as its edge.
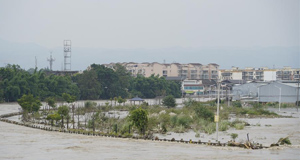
(283, 141)
(16, 82)
(169, 101)
(139, 118)
(234, 136)
(204, 112)
(63, 111)
(98, 82)
(146, 119)
(29, 104)
(51, 102)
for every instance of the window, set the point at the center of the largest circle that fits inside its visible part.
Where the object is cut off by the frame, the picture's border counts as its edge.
(165, 72)
(193, 87)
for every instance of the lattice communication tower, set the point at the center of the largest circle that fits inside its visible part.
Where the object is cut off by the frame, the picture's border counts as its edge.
(67, 55)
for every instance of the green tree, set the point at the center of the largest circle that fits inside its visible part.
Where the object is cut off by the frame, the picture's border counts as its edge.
(51, 102)
(169, 101)
(63, 111)
(153, 86)
(89, 108)
(89, 85)
(70, 99)
(29, 103)
(139, 118)
(121, 100)
(94, 121)
(15, 82)
(55, 116)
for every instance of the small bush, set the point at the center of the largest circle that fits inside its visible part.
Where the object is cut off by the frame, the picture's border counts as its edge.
(234, 136)
(169, 101)
(127, 135)
(203, 112)
(210, 128)
(235, 122)
(239, 126)
(152, 123)
(179, 129)
(237, 104)
(173, 121)
(257, 105)
(284, 141)
(184, 121)
(271, 104)
(197, 135)
(224, 125)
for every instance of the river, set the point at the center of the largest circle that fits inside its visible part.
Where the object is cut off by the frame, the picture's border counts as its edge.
(19, 142)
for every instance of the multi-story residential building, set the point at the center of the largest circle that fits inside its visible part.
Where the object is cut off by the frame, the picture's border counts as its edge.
(185, 71)
(287, 73)
(192, 87)
(259, 74)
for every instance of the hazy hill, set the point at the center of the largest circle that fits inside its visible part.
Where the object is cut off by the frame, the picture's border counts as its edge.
(24, 55)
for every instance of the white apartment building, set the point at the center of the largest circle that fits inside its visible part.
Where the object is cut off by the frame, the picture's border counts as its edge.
(259, 74)
(185, 71)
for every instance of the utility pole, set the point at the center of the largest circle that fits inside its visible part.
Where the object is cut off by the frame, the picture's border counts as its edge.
(218, 108)
(297, 102)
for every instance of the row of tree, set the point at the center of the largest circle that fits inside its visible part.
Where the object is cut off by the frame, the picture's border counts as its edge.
(97, 82)
(15, 82)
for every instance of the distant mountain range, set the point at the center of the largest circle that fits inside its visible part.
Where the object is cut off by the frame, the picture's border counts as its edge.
(24, 55)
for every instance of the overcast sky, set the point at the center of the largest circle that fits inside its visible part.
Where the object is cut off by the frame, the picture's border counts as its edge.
(152, 24)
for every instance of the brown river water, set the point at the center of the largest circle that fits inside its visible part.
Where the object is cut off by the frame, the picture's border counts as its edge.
(19, 142)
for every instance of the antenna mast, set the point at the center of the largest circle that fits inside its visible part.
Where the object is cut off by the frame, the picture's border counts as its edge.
(35, 62)
(51, 60)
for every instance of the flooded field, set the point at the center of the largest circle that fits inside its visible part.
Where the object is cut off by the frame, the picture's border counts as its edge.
(18, 142)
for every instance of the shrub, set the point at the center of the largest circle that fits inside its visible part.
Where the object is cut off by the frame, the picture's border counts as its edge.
(190, 102)
(239, 126)
(237, 104)
(139, 118)
(127, 135)
(173, 121)
(203, 112)
(197, 135)
(164, 119)
(152, 123)
(164, 128)
(284, 141)
(184, 121)
(234, 136)
(169, 101)
(257, 106)
(210, 128)
(179, 129)
(223, 126)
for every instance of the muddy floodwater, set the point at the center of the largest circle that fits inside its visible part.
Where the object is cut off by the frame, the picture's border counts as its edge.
(19, 142)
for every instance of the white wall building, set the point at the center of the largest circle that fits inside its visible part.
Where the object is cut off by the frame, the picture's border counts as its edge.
(270, 75)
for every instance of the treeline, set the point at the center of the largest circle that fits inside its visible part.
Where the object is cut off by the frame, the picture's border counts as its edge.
(97, 82)
(15, 82)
